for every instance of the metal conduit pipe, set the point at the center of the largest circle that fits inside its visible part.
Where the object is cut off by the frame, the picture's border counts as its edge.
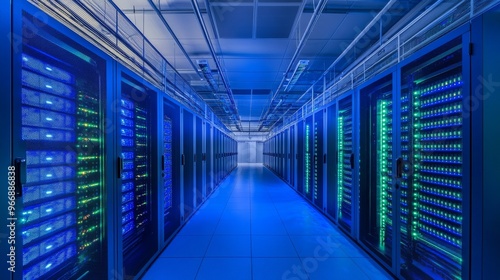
(312, 22)
(165, 23)
(214, 56)
(363, 32)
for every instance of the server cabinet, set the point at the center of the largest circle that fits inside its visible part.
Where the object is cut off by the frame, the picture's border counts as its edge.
(6, 124)
(345, 167)
(208, 160)
(435, 141)
(377, 193)
(198, 159)
(188, 163)
(171, 165)
(318, 159)
(292, 156)
(139, 222)
(300, 156)
(58, 151)
(308, 158)
(332, 198)
(485, 101)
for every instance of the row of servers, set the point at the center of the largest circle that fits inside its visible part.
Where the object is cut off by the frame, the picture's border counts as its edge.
(107, 167)
(390, 161)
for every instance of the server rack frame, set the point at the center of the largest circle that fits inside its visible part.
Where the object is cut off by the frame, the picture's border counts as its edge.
(461, 33)
(125, 74)
(394, 75)
(12, 13)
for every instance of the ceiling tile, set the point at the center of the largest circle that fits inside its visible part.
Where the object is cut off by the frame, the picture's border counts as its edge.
(275, 21)
(233, 21)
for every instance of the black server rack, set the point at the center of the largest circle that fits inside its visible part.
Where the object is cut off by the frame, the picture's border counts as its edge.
(318, 159)
(308, 157)
(138, 203)
(198, 158)
(58, 138)
(300, 156)
(188, 163)
(433, 140)
(331, 162)
(292, 156)
(376, 204)
(171, 169)
(345, 167)
(208, 160)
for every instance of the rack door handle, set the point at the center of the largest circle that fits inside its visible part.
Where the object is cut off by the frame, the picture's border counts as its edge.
(20, 171)
(399, 168)
(119, 167)
(183, 159)
(352, 161)
(163, 163)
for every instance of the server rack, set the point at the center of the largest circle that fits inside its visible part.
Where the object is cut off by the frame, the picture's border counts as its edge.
(59, 153)
(292, 156)
(435, 139)
(6, 124)
(346, 163)
(300, 156)
(332, 200)
(318, 160)
(171, 166)
(208, 159)
(198, 159)
(308, 157)
(484, 113)
(377, 192)
(188, 163)
(137, 115)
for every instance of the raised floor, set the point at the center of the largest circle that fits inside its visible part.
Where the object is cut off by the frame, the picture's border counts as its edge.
(255, 226)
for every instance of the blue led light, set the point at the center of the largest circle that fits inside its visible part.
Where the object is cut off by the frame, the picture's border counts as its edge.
(128, 155)
(35, 65)
(45, 84)
(127, 113)
(127, 132)
(127, 122)
(39, 230)
(127, 142)
(126, 197)
(48, 119)
(127, 104)
(128, 186)
(47, 101)
(127, 175)
(42, 134)
(128, 227)
(34, 175)
(127, 207)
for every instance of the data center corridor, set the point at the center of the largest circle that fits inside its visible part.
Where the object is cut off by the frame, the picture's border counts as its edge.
(254, 226)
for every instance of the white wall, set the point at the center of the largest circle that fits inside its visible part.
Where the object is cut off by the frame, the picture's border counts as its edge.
(250, 152)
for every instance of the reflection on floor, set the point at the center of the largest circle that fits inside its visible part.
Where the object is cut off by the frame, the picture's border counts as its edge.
(256, 227)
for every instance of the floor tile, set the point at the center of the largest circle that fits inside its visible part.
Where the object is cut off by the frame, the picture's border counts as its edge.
(317, 246)
(229, 246)
(372, 269)
(225, 269)
(333, 268)
(277, 268)
(174, 268)
(272, 246)
(187, 246)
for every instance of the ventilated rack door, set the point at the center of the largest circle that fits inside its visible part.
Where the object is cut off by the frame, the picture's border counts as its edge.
(62, 220)
(168, 203)
(318, 159)
(138, 224)
(308, 158)
(345, 162)
(376, 160)
(432, 148)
